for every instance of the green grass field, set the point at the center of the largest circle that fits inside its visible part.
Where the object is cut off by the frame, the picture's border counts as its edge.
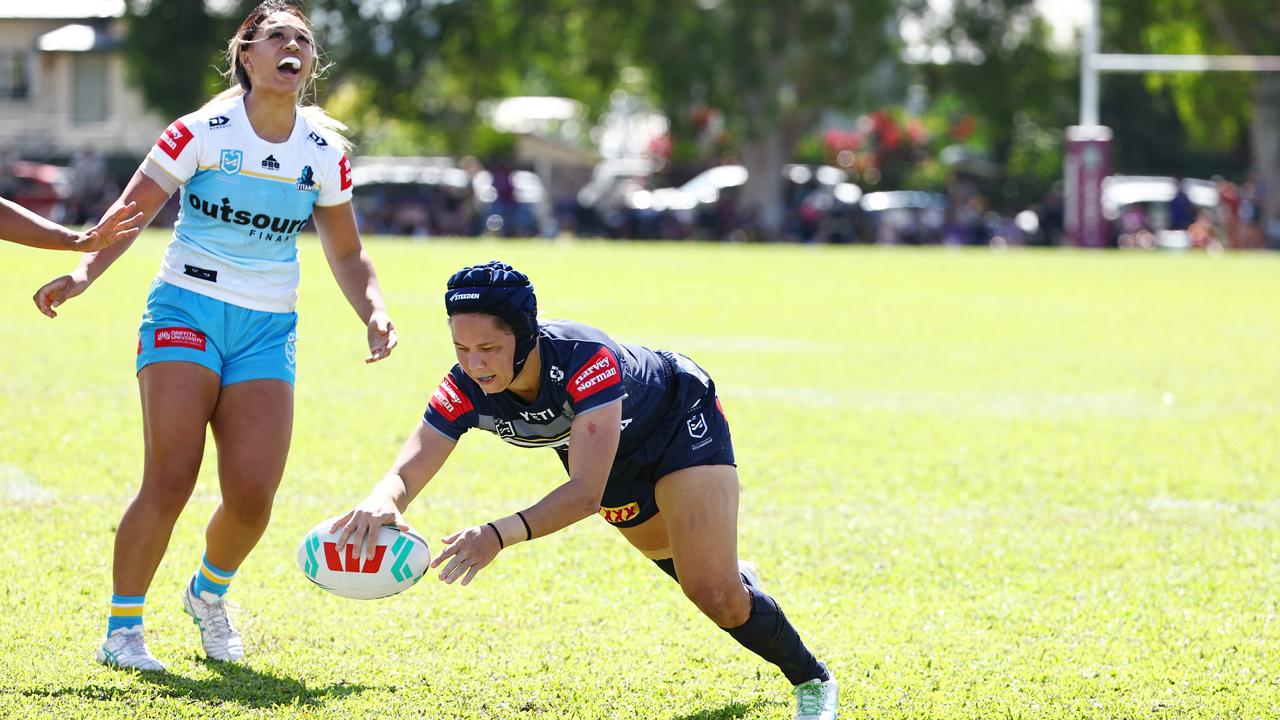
(1019, 485)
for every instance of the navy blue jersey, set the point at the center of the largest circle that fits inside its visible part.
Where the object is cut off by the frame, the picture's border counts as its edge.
(582, 369)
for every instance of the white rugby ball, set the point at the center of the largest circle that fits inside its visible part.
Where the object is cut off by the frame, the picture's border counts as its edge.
(398, 562)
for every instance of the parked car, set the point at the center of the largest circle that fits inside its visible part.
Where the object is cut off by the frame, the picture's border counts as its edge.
(910, 217)
(1138, 206)
(412, 196)
(39, 187)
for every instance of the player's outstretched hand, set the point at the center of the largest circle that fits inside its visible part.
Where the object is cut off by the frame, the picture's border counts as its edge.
(360, 526)
(123, 224)
(59, 290)
(382, 337)
(468, 552)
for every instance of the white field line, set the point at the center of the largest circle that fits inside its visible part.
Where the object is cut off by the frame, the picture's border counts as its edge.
(18, 486)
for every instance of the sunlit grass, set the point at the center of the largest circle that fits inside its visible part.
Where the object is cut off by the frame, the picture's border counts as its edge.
(1030, 485)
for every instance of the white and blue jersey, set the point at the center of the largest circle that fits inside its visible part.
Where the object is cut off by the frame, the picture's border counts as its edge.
(244, 201)
(671, 418)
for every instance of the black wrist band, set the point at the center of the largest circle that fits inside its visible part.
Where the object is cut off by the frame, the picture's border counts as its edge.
(528, 534)
(501, 544)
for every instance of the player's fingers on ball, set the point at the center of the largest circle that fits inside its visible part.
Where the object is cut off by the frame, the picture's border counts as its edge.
(341, 520)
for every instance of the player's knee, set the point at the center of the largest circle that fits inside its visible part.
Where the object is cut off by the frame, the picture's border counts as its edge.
(167, 490)
(249, 506)
(725, 603)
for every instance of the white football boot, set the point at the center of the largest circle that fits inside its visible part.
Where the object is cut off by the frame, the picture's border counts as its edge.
(125, 648)
(816, 700)
(209, 612)
(749, 575)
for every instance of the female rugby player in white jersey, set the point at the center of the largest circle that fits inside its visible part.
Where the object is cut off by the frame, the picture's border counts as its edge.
(216, 342)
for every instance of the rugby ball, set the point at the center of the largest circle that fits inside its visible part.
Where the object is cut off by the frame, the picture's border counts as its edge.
(398, 562)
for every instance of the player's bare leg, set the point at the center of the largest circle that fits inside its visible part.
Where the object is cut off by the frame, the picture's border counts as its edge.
(252, 426)
(178, 399)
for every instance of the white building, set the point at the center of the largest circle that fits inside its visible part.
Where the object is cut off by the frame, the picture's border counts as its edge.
(62, 80)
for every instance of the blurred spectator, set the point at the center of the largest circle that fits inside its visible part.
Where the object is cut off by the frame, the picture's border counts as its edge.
(8, 183)
(1229, 210)
(1251, 215)
(1181, 210)
(88, 198)
(1202, 234)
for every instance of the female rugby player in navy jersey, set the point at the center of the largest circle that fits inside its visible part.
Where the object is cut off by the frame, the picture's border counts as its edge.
(642, 436)
(216, 347)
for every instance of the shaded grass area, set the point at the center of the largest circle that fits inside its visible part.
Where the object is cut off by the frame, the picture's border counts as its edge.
(1024, 485)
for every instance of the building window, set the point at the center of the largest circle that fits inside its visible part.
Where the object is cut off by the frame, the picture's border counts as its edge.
(15, 74)
(89, 102)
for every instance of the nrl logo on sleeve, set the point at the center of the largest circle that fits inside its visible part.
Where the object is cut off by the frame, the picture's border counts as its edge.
(231, 161)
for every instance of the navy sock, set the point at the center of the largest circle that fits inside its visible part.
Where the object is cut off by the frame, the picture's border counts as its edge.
(769, 634)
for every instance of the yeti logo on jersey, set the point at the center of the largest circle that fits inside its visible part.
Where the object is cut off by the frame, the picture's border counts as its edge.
(600, 372)
(319, 141)
(449, 401)
(307, 180)
(231, 161)
(174, 139)
(697, 426)
(541, 416)
(218, 122)
(556, 374)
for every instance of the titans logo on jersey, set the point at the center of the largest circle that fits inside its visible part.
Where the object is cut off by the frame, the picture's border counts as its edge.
(582, 369)
(244, 200)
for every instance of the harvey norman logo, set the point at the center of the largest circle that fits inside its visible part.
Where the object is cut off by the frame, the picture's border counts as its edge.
(600, 372)
(449, 401)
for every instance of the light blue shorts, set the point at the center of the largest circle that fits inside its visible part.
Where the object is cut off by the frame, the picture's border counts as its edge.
(236, 343)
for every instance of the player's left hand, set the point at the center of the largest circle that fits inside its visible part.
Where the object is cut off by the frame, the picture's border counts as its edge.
(468, 552)
(382, 337)
(123, 224)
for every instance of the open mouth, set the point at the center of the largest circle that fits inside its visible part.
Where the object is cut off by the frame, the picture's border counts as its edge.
(289, 66)
(485, 379)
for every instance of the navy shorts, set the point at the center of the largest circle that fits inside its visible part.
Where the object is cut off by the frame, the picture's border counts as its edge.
(692, 432)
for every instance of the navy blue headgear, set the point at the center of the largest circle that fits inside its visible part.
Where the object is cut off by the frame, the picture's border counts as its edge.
(496, 288)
